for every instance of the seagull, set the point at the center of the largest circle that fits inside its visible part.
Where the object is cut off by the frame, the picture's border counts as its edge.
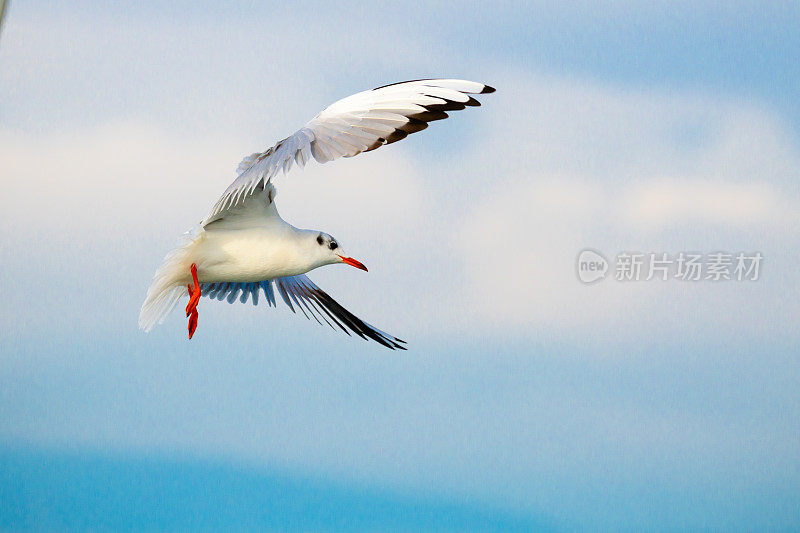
(243, 247)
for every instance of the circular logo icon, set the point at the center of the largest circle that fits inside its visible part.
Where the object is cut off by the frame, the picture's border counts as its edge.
(591, 265)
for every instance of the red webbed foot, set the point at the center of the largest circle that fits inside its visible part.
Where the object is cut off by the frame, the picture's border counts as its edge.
(192, 322)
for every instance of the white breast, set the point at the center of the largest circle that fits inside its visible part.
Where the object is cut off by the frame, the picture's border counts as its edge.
(252, 254)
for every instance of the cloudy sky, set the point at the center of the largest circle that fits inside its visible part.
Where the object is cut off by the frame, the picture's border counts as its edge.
(526, 396)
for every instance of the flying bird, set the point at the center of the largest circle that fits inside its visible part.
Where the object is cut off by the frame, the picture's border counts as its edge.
(243, 247)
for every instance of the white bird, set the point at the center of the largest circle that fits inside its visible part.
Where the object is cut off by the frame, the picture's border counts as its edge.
(244, 246)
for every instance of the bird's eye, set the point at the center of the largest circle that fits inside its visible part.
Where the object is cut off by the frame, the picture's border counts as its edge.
(320, 240)
(333, 245)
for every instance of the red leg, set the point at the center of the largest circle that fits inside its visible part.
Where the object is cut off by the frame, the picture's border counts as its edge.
(194, 292)
(194, 298)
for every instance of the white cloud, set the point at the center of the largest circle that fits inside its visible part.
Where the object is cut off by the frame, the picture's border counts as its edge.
(590, 166)
(677, 202)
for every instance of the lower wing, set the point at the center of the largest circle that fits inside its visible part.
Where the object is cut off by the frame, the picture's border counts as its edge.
(313, 302)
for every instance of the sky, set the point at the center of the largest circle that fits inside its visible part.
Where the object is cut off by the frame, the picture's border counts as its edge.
(527, 399)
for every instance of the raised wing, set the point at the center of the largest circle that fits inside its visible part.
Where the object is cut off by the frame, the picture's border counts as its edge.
(255, 209)
(358, 123)
(312, 301)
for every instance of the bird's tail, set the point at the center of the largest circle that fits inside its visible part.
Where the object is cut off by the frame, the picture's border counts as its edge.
(169, 283)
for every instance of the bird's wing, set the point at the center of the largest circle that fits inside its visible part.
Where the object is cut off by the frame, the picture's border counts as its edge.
(256, 209)
(358, 123)
(302, 293)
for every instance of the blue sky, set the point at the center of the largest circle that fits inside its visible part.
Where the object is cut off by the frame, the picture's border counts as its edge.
(527, 399)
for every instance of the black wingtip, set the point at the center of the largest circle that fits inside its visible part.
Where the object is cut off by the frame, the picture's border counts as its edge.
(488, 89)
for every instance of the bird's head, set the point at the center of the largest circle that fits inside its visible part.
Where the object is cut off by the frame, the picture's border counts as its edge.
(326, 251)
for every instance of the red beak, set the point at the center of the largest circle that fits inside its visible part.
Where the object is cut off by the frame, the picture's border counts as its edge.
(352, 262)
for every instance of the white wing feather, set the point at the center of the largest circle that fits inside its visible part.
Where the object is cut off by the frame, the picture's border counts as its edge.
(358, 123)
